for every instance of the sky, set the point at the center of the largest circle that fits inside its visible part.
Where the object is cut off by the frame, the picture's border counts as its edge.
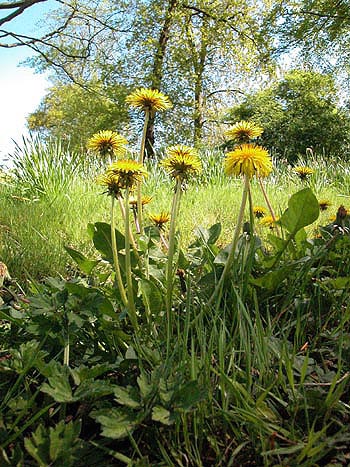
(21, 89)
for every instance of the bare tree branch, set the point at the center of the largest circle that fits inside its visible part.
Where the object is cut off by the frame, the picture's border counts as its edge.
(21, 6)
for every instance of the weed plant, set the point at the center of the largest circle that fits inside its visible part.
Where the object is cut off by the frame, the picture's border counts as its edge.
(157, 353)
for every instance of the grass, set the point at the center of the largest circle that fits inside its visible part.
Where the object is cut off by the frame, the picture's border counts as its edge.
(34, 229)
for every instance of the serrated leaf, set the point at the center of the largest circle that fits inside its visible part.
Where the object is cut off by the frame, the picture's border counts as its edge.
(116, 423)
(58, 386)
(128, 396)
(162, 415)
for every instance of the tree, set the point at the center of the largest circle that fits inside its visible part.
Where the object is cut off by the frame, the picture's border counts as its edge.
(298, 112)
(73, 113)
(196, 52)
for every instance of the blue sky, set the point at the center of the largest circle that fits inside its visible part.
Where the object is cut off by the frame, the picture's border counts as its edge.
(21, 90)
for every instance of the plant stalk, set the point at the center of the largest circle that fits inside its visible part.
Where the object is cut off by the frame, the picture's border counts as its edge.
(115, 257)
(169, 270)
(139, 183)
(130, 292)
(236, 234)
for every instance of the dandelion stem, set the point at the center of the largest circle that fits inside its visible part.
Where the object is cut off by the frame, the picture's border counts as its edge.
(236, 234)
(139, 183)
(170, 270)
(130, 292)
(115, 257)
(131, 236)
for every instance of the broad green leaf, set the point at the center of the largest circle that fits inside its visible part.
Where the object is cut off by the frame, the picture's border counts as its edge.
(162, 415)
(188, 396)
(58, 386)
(128, 396)
(272, 279)
(116, 423)
(303, 209)
(90, 389)
(86, 265)
(152, 296)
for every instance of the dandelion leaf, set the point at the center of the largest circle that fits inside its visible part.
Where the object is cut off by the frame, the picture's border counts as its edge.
(303, 210)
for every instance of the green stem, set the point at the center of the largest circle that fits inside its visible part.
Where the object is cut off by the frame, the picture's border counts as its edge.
(115, 257)
(269, 205)
(170, 270)
(141, 158)
(66, 354)
(236, 235)
(130, 292)
(131, 236)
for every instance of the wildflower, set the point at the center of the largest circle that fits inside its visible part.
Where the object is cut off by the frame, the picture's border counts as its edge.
(249, 160)
(324, 204)
(259, 212)
(145, 200)
(148, 100)
(182, 161)
(269, 221)
(160, 219)
(128, 171)
(107, 143)
(303, 172)
(243, 131)
(112, 183)
(332, 218)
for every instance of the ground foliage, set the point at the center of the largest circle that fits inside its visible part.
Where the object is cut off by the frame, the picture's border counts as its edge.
(258, 377)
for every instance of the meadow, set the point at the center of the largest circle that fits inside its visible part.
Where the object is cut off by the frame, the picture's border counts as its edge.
(182, 350)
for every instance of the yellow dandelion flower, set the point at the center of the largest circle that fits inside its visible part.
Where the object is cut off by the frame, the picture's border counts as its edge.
(248, 159)
(112, 183)
(243, 131)
(160, 219)
(303, 172)
(269, 221)
(324, 204)
(148, 100)
(145, 200)
(182, 161)
(259, 212)
(332, 218)
(128, 171)
(107, 143)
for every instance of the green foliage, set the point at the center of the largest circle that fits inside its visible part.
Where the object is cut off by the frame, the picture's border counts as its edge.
(74, 113)
(298, 112)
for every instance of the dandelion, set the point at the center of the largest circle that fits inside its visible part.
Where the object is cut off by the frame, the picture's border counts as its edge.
(249, 160)
(159, 220)
(148, 100)
(182, 162)
(332, 218)
(259, 212)
(324, 204)
(112, 183)
(128, 171)
(303, 172)
(269, 221)
(243, 131)
(145, 200)
(107, 143)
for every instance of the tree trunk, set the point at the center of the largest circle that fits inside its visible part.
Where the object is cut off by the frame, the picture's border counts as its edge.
(157, 71)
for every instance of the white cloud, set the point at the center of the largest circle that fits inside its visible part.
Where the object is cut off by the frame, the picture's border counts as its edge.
(21, 91)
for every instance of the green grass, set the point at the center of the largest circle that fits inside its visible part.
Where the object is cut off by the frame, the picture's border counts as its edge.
(34, 230)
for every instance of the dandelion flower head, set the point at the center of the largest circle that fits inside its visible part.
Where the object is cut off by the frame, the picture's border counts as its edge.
(148, 100)
(112, 183)
(303, 172)
(160, 219)
(324, 204)
(182, 162)
(249, 160)
(244, 131)
(259, 212)
(128, 171)
(144, 200)
(269, 221)
(107, 143)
